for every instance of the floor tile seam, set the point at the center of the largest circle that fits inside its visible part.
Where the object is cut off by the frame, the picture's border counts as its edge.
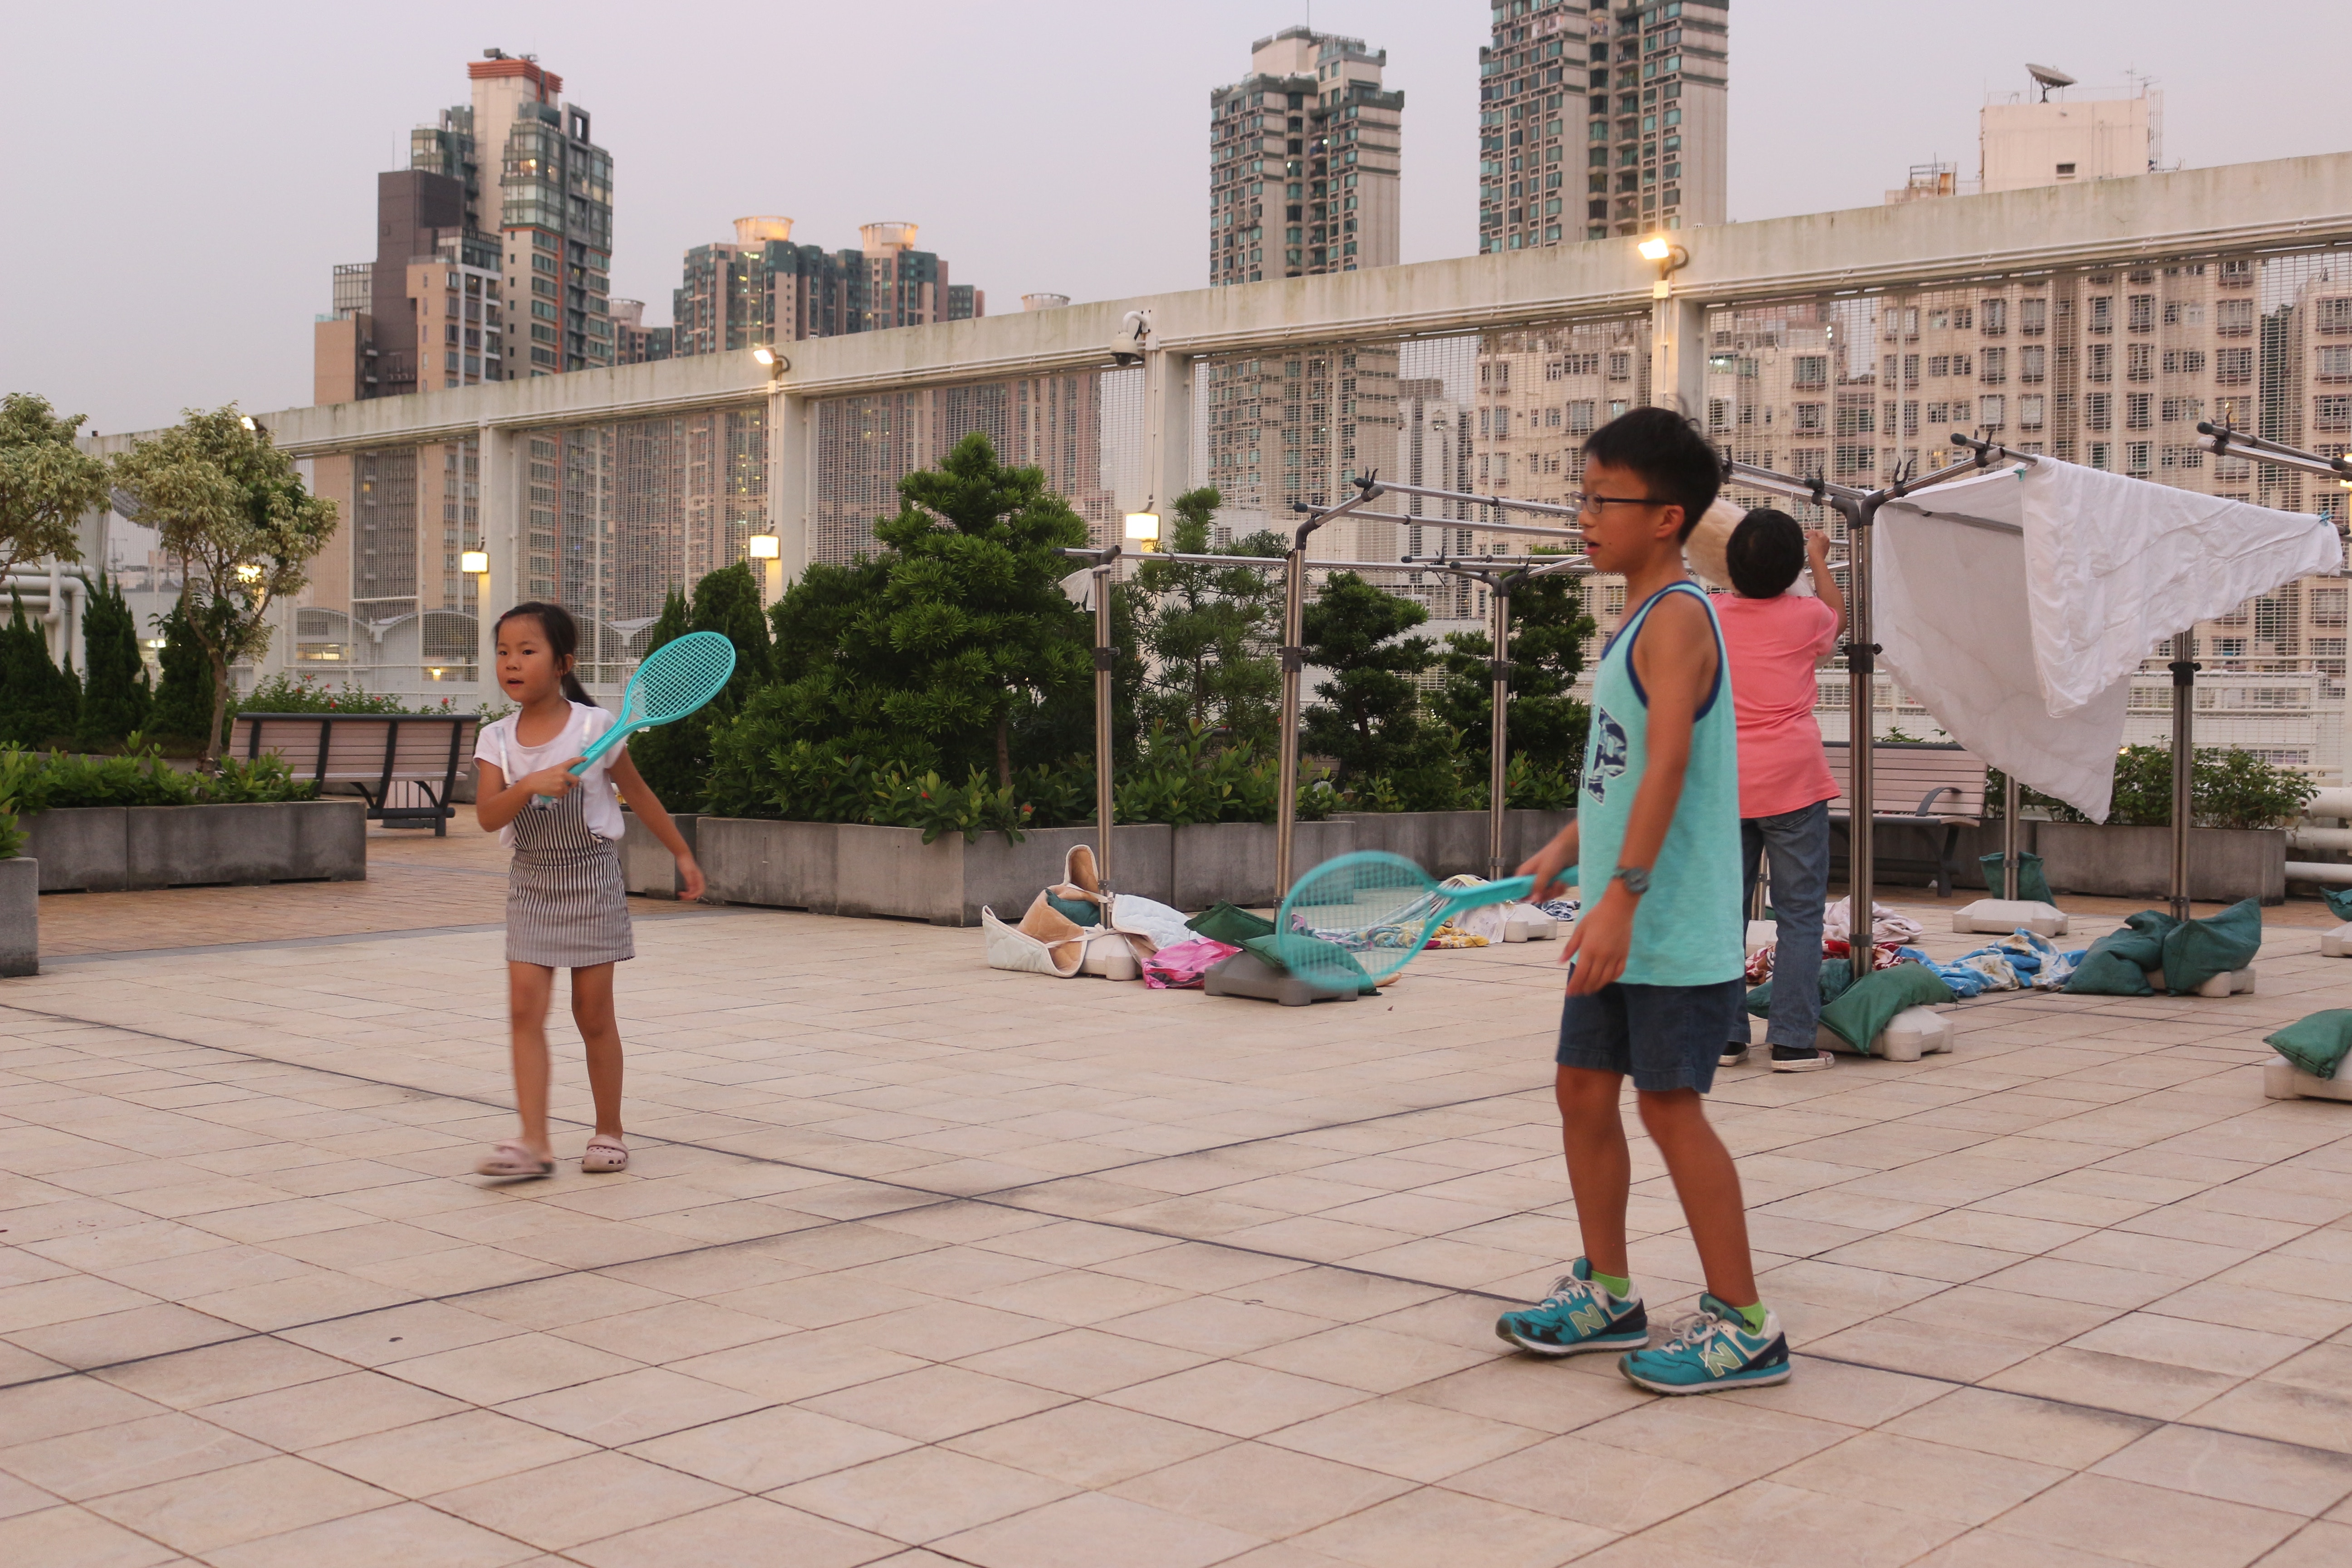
(341, 939)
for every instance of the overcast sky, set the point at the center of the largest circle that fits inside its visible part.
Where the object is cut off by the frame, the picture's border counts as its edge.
(182, 179)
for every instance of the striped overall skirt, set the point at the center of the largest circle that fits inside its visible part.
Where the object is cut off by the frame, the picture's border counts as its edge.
(567, 904)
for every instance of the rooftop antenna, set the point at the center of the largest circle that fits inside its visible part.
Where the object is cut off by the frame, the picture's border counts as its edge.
(2049, 77)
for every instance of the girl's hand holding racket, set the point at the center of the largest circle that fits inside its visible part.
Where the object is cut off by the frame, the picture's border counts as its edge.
(555, 783)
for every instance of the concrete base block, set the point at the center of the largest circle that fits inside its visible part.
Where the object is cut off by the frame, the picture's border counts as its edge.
(1527, 923)
(1914, 1033)
(1247, 975)
(2281, 1079)
(2336, 943)
(1111, 958)
(20, 916)
(2238, 983)
(1999, 917)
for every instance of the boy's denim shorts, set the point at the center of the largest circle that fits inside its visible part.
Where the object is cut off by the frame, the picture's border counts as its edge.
(1662, 1036)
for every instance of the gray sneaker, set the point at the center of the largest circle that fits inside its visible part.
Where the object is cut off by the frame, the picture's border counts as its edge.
(1800, 1058)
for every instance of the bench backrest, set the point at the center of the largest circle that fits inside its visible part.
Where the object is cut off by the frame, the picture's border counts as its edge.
(1901, 774)
(355, 743)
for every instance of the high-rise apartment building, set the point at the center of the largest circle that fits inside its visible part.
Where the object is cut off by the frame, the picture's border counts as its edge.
(1531, 121)
(533, 174)
(763, 289)
(1303, 162)
(389, 332)
(1658, 87)
(634, 342)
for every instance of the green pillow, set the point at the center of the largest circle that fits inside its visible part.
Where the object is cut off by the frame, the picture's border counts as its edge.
(1267, 948)
(1077, 912)
(1870, 1003)
(2339, 901)
(1224, 922)
(1837, 973)
(2196, 951)
(2317, 1044)
(2030, 882)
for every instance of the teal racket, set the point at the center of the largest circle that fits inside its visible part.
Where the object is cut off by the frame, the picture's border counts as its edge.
(1363, 916)
(675, 680)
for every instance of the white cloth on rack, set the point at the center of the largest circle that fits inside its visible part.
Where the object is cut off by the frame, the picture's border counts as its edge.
(2016, 604)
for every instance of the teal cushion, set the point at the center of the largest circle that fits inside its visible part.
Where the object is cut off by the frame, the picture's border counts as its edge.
(1233, 927)
(1266, 948)
(2317, 1044)
(1870, 1003)
(1077, 912)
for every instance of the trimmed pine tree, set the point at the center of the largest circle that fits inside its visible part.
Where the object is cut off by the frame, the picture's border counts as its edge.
(39, 701)
(115, 697)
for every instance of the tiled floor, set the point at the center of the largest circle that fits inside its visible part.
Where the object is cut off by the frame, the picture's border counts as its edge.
(921, 1263)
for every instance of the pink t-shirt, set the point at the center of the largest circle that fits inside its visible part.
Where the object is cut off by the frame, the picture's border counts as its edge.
(1773, 644)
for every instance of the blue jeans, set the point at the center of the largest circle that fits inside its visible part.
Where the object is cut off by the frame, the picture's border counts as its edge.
(1799, 843)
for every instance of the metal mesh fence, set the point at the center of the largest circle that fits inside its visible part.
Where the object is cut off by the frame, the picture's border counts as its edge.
(1084, 429)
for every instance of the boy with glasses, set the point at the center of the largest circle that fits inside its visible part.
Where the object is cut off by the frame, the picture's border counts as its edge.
(1657, 953)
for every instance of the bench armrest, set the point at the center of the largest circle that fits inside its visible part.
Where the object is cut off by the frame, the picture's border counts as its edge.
(1927, 801)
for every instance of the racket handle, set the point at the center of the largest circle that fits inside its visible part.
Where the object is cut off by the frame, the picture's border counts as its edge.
(1510, 890)
(598, 747)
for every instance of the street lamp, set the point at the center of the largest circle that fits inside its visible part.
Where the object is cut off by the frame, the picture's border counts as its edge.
(475, 563)
(765, 547)
(777, 363)
(1143, 529)
(1671, 258)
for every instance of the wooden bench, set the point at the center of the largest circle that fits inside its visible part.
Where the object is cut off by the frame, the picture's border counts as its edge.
(368, 753)
(1934, 790)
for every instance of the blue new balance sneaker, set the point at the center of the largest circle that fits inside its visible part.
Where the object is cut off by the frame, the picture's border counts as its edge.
(1712, 1350)
(1578, 1316)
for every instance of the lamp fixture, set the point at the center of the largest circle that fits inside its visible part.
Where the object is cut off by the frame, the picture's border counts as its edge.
(248, 572)
(476, 562)
(765, 547)
(1143, 528)
(1671, 258)
(777, 363)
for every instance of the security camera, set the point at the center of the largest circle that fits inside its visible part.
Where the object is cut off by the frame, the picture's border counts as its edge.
(1128, 345)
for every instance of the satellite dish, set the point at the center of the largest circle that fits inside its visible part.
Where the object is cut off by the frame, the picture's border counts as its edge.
(2049, 77)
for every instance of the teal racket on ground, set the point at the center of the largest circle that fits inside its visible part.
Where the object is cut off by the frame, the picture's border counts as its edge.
(1363, 916)
(676, 679)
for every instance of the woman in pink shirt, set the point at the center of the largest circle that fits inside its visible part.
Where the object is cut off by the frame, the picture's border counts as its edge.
(1774, 638)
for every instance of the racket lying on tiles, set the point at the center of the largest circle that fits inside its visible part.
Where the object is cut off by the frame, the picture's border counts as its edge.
(1363, 916)
(675, 680)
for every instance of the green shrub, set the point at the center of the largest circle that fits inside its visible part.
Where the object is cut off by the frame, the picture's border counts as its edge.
(12, 837)
(39, 703)
(284, 693)
(2227, 788)
(34, 781)
(183, 706)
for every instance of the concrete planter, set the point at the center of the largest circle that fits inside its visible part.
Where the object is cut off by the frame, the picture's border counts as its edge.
(108, 848)
(2225, 864)
(1232, 862)
(1448, 843)
(20, 917)
(645, 865)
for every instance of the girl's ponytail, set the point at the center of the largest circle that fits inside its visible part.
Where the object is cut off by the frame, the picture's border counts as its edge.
(562, 635)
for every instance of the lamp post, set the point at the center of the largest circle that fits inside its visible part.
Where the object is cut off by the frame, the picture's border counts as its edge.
(768, 551)
(475, 564)
(1677, 330)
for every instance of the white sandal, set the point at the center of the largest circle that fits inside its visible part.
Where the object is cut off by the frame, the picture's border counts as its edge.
(510, 1161)
(603, 1155)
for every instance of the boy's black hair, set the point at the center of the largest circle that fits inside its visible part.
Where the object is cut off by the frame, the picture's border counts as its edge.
(1674, 459)
(1765, 554)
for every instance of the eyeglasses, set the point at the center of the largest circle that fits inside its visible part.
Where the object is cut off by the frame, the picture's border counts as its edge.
(1594, 503)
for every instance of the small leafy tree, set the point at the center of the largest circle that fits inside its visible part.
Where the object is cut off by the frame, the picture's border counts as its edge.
(225, 500)
(1370, 719)
(675, 759)
(45, 483)
(934, 652)
(39, 701)
(114, 696)
(1547, 726)
(1210, 631)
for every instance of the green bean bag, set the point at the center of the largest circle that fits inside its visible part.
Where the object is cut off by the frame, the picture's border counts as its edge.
(2317, 1044)
(1270, 952)
(1233, 927)
(1866, 1008)
(2189, 953)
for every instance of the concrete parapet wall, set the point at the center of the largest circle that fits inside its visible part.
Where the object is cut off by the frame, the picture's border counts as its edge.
(2225, 864)
(110, 848)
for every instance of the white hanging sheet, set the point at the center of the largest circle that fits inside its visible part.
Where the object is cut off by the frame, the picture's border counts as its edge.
(2016, 604)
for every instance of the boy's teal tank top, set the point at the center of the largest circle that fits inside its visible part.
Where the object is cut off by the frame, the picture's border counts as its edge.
(1688, 928)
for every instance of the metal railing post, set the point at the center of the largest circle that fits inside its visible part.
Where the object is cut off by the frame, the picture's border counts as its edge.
(1293, 661)
(1862, 733)
(1106, 658)
(1498, 729)
(2184, 763)
(2009, 865)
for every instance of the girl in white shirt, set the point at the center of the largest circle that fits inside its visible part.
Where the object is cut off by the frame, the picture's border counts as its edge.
(567, 904)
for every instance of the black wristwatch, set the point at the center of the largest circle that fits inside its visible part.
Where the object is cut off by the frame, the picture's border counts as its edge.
(1635, 878)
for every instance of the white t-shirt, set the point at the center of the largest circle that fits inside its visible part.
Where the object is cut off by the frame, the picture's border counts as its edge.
(600, 803)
